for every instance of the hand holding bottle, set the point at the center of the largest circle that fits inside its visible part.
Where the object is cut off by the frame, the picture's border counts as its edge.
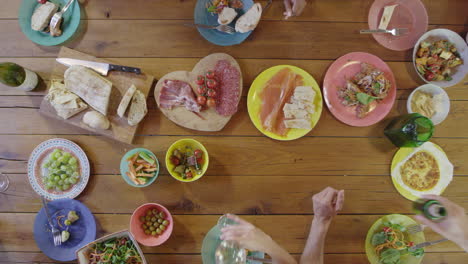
(454, 226)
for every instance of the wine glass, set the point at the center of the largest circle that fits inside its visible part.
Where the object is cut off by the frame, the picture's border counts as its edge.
(4, 182)
(229, 252)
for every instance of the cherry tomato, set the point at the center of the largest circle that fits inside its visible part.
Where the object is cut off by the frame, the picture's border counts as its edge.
(210, 75)
(41, 1)
(387, 229)
(200, 161)
(198, 153)
(211, 93)
(201, 100)
(201, 89)
(211, 83)
(200, 80)
(175, 161)
(429, 76)
(188, 174)
(211, 102)
(410, 244)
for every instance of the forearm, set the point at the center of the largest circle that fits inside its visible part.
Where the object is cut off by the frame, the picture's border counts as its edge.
(279, 255)
(314, 248)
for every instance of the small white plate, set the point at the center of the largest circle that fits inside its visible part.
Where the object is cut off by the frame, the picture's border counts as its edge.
(460, 44)
(41, 153)
(440, 116)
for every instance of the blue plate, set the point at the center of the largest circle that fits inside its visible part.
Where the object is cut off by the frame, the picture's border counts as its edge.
(124, 166)
(71, 21)
(211, 243)
(202, 16)
(82, 231)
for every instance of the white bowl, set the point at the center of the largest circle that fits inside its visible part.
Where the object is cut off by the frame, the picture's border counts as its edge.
(82, 253)
(432, 89)
(460, 44)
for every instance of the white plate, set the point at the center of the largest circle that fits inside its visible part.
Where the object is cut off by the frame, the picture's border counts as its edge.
(41, 153)
(460, 44)
(439, 117)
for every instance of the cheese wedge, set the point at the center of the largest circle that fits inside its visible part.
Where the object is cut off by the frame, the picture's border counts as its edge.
(90, 86)
(386, 16)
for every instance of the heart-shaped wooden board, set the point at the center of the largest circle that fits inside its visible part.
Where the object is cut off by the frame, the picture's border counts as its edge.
(208, 119)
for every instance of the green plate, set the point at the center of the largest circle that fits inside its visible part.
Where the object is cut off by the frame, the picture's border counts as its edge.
(71, 21)
(211, 243)
(124, 167)
(395, 219)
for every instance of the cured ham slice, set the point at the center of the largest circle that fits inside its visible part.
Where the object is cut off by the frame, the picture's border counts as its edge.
(275, 94)
(178, 93)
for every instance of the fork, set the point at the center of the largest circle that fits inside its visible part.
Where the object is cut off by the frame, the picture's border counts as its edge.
(413, 229)
(425, 244)
(222, 28)
(55, 232)
(394, 32)
(58, 16)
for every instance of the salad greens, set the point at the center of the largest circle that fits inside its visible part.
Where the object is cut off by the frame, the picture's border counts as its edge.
(115, 250)
(390, 244)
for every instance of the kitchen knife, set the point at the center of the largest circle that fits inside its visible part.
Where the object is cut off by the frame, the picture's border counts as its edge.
(102, 68)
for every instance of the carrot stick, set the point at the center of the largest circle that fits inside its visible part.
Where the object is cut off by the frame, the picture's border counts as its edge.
(144, 175)
(149, 170)
(132, 178)
(139, 167)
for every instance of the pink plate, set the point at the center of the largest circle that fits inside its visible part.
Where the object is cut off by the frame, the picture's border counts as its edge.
(137, 230)
(410, 14)
(345, 68)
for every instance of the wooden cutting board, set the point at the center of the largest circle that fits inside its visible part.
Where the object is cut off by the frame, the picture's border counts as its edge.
(119, 130)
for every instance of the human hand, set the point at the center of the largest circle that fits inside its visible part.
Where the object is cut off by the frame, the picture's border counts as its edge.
(327, 203)
(247, 235)
(293, 7)
(454, 226)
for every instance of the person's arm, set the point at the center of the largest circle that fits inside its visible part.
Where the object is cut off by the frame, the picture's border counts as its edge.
(454, 226)
(293, 8)
(250, 237)
(326, 204)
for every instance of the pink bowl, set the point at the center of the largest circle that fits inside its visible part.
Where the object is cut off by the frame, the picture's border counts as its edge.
(137, 230)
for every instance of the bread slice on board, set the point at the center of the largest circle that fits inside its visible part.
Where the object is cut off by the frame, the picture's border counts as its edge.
(90, 86)
(250, 19)
(126, 100)
(138, 108)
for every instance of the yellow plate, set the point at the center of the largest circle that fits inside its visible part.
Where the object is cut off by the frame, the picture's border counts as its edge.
(254, 102)
(396, 219)
(179, 144)
(400, 155)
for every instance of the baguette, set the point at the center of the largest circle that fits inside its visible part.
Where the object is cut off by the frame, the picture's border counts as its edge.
(126, 100)
(138, 108)
(250, 19)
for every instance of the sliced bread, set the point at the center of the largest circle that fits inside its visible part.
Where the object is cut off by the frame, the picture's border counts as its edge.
(138, 108)
(41, 16)
(250, 19)
(126, 101)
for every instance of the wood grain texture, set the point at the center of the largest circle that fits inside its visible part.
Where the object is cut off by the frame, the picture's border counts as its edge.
(439, 12)
(271, 39)
(240, 156)
(189, 231)
(240, 195)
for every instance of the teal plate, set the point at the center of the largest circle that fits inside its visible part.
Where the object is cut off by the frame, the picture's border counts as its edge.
(71, 21)
(124, 166)
(211, 243)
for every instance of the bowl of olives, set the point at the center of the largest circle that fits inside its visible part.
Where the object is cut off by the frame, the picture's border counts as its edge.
(151, 224)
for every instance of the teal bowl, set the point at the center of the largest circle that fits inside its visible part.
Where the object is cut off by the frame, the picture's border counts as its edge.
(70, 24)
(124, 167)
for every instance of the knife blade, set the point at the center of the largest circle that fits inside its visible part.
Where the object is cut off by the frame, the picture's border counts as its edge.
(101, 68)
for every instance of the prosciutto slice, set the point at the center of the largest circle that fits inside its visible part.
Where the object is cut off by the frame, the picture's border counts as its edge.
(178, 93)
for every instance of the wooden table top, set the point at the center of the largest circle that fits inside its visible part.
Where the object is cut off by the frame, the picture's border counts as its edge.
(268, 182)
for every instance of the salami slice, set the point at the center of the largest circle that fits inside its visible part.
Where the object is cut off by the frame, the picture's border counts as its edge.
(228, 94)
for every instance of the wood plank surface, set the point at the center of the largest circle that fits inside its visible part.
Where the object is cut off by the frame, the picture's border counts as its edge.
(330, 258)
(30, 121)
(439, 12)
(275, 39)
(291, 231)
(278, 195)
(238, 156)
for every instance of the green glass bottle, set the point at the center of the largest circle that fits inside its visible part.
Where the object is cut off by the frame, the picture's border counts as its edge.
(410, 130)
(13, 75)
(431, 209)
